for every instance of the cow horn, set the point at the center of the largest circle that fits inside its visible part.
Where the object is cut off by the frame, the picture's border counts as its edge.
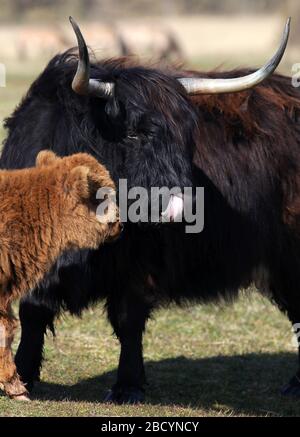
(218, 86)
(82, 84)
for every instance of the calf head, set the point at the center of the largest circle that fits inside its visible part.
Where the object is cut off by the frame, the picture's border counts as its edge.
(88, 198)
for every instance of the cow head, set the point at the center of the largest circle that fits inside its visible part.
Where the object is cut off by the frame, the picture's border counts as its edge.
(150, 115)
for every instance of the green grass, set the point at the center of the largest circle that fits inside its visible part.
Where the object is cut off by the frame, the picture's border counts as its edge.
(18, 79)
(201, 360)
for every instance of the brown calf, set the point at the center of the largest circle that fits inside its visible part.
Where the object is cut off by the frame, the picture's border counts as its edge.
(45, 211)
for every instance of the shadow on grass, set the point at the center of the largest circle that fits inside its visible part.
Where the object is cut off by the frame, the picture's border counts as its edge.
(247, 383)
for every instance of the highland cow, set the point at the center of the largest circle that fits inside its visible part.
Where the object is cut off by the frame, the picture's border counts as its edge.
(43, 211)
(236, 134)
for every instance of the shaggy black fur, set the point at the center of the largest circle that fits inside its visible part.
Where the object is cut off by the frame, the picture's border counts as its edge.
(244, 149)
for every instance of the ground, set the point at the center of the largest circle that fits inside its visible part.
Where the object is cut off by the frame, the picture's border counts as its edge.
(200, 360)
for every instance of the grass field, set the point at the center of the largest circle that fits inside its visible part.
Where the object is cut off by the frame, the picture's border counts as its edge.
(200, 360)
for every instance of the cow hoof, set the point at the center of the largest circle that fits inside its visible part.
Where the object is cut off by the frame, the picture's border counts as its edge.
(292, 388)
(122, 396)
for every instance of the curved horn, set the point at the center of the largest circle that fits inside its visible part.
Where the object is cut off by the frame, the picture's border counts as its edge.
(82, 84)
(218, 86)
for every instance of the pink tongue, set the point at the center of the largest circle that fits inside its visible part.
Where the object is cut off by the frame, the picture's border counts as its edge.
(174, 210)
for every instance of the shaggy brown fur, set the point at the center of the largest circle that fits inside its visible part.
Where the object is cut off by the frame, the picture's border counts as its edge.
(43, 211)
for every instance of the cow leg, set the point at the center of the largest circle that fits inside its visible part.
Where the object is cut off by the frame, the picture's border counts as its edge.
(9, 378)
(35, 318)
(284, 284)
(128, 319)
(293, 387)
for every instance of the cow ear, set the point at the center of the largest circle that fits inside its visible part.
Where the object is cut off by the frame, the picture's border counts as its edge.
(83, 183)
(45, 158)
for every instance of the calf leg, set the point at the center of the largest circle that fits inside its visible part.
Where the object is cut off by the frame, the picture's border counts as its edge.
(9, 378)
(35, 318)
(128, 319)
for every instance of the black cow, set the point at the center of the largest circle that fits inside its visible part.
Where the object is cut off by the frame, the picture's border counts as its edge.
(159, 127)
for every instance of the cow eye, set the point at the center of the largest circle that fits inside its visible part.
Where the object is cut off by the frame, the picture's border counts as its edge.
(112, 108)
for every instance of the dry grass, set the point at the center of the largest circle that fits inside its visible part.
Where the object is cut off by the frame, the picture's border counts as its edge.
(200, 361)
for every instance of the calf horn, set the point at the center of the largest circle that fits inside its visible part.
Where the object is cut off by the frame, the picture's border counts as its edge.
(218, 86)
(82, 84)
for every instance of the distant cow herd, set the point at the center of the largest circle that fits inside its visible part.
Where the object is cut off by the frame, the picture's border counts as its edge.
(33, 42)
